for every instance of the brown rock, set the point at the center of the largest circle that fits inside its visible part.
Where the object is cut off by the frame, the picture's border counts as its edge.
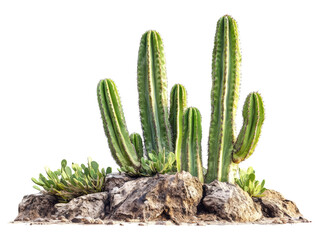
(173, 196)
(115, 181)
(36, 206)
(273, 204)
(230, 202)
(91, 205)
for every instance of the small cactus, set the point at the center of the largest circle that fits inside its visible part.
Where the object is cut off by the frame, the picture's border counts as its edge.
(136, 140)
(178, 100)
(114, 124)
(191, 145)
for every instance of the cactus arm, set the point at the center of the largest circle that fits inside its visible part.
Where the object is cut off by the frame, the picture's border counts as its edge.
(152, 88)
(136, 140)
(254, 115)
(225, 73)
(178, 102)
(114, 125)
(191, 146)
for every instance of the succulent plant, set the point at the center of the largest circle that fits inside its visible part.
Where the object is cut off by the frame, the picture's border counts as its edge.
(67, 184)
(191, 144)
(152, 85)
(155, 163)
(248, 183)
(224, 151)
(178, 103)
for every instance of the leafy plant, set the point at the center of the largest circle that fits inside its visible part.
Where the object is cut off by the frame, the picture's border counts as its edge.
(156, 163)
(247, 181)
(67, 184)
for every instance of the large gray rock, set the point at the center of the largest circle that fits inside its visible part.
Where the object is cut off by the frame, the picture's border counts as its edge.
(36, 206)
(273, 204)
(230, 202)
(91, 205)
(116, 180)
(173, 197)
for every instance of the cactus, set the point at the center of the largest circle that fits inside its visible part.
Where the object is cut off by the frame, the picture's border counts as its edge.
(223, 153)
(191, 144)
(178, 102)
(114, 124)
(136, 140)
(152, 89)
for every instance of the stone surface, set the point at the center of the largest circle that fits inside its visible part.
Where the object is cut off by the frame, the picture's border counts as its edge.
(115, 181)
(172, 197)
(87, 206)
(36, 206)
(273, 204)
(230, 202)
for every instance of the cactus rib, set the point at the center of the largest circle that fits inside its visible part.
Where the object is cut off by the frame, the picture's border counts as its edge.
(191, 147)
(152, 88)
(178, 102)
(114, 125)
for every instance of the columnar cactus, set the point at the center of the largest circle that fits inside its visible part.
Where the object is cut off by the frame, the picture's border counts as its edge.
(152, 89)
(114, 124)
(136, 140)
(178, 103)
(223, 152)
(191, 144)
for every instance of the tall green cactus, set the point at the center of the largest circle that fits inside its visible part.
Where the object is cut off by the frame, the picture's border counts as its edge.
(178, 102)
(152, 89)
(114, 125)
(223, 152)
(191, 146)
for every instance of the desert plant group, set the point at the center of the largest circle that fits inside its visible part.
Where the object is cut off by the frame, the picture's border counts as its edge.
(172, 132)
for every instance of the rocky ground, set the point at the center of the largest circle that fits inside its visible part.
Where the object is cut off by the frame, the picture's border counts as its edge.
(162, 199)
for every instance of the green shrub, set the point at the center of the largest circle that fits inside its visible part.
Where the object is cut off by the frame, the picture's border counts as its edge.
(67, 184)
(248, 183)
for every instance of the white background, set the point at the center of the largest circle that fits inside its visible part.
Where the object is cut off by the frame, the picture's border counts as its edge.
(53, 53)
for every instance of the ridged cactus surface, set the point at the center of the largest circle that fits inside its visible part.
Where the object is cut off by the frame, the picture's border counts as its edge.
(191, 145)
(178, 103)
(114, 125)
(152, 89)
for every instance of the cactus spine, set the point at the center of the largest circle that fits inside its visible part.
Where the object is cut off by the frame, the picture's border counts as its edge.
(222, 155)
(114, 125)
(178, 102)
(191, 146)
(152, 89)
(136, 140)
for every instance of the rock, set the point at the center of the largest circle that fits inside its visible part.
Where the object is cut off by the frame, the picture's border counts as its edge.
(91, 205)
(230, 202)
(273, 204)
(115, 181)
(36, 206)
(170, 196)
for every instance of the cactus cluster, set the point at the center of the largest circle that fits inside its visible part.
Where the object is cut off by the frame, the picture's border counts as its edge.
(173, 133)
(67, 184)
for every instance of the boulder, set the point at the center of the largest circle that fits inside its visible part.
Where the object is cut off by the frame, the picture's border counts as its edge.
(87, 206)
(172, 197)
(115, 181)
(230, 202)
(36, 206)
(273, 204)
